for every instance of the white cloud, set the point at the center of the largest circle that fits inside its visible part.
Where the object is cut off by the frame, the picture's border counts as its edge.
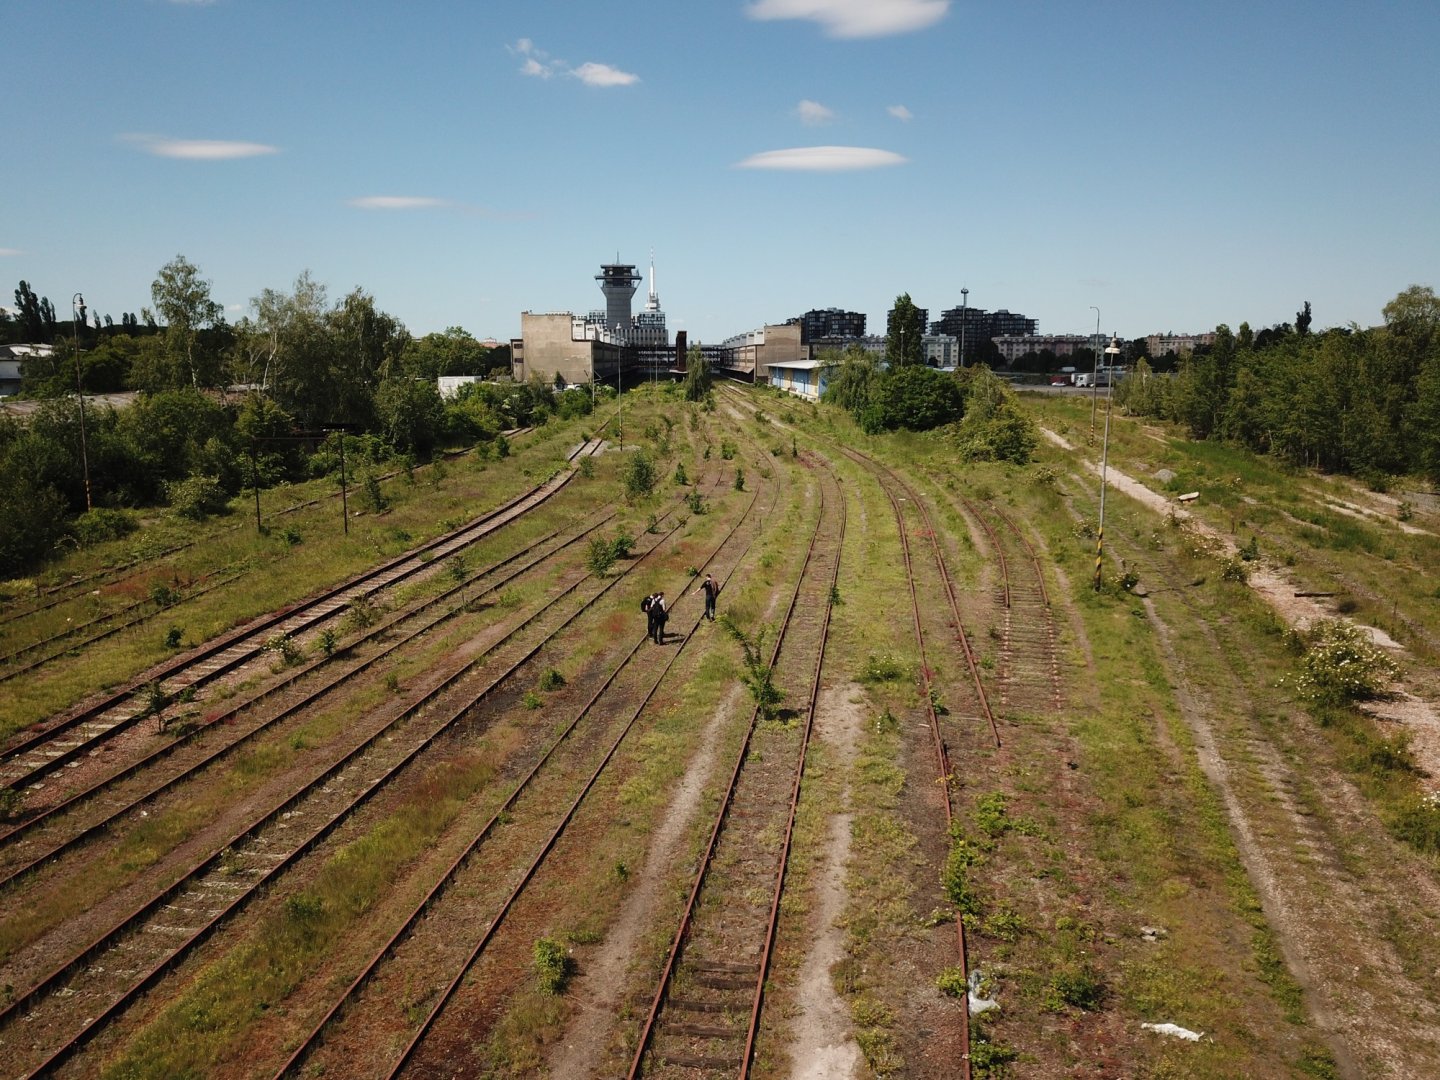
(199, 149)
(822, 159)
(538, 64)
(899, 112)
(592, 74)
(10, 251)
(856, 18)
(396, 202)
(813, 113)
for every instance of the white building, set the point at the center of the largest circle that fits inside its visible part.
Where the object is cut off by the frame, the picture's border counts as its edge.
(803, 378)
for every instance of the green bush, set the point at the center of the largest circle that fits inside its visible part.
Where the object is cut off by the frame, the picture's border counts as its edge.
(370, 495)
(1340, 665)
(639, 475)
(1076, 985)
(952, 982)
(990, 1059)
(552, 966)
(196, 497)
(101, 524)
(884, 668)
(1418, 823)
(954, 876)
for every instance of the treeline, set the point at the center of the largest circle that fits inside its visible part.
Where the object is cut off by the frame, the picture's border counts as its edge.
(1351, 400)
(229, 407)
(974, 409)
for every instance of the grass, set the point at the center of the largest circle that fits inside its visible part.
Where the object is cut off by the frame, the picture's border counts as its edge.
(1091, 821)
(204, 1026)
(277, 573)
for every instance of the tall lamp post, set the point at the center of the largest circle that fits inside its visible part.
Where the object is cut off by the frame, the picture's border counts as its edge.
(1112, 352)
(1095, 378)
(964, 305)
(77, 304)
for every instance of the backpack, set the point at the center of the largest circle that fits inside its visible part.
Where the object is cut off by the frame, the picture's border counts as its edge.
(645, 605)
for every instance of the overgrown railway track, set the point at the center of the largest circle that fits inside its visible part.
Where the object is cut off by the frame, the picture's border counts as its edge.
(1029, 645)
(488, 878)
(106, 798)
(51, 745)
(141, 947)
(706, 1012)
(97, 628)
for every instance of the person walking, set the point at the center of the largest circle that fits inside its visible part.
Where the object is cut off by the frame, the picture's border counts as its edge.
(658, 614)
(711, 588)
(648, 607)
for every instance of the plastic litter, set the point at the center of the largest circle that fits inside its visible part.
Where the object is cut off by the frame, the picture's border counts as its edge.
(978, 1004)
(1175, 1030)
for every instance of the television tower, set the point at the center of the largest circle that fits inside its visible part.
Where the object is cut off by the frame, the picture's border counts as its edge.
(618, 282)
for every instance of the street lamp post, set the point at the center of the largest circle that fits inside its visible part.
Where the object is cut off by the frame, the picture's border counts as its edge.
(964, 306)
(1112, 352)
(77, 302)
(1095, 378)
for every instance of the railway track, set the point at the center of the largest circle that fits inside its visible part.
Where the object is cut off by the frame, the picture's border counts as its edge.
(49, 746)
(706, 1012)
(106, 800)
(488, 878)
(1029, 647)
(81, 585)
(49, 1021)
(913, 517)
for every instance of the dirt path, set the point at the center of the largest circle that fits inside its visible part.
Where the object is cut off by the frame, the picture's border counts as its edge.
(598, 988)
(1341, 896)
(822, 1041)
(1416, 714)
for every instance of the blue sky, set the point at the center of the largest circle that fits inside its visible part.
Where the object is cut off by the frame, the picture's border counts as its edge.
(1176, 166)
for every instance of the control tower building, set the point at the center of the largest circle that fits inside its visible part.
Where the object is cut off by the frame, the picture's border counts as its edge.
(618, 282)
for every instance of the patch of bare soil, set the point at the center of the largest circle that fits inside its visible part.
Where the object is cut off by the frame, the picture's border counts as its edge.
(822, 1040)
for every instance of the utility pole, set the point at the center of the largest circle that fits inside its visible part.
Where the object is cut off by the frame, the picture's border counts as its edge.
(77, 303)
(964, 307)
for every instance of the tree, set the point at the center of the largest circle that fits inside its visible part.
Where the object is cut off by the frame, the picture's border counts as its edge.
(916, 398)
(411, 414)
(182, 298)
(1417, 303)
(994, 428)
(697, 374)
(453, 352)
(28, 315)
(367, 346)
(1302, 320)
(904, 334)
(853, 382)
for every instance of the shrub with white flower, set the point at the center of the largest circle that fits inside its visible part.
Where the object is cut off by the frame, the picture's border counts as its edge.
(1341, 665)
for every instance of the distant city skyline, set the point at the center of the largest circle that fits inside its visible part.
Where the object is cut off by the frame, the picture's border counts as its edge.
(1175, 167)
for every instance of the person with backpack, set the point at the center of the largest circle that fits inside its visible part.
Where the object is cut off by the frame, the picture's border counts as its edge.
(658, 615)
(648, 607)
(711, 588)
